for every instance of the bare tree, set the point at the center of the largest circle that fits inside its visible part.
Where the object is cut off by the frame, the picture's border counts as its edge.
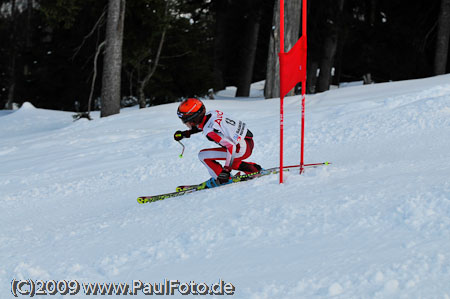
(112, 62)
(154, 63)
(151, 70)
(94, 76)
(100, 45)
(330, 46)
(221, 8)
(292, 18)
(248, 51)
(311, 76)
(13, 55)
(442, 40)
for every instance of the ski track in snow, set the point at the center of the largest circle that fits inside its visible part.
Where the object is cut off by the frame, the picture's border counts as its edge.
(373, 224)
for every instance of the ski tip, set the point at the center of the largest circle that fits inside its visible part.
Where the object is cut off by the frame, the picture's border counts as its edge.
(141, 200)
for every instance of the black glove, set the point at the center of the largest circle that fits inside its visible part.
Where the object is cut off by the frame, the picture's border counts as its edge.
(178, 135)
(181, 134)
(224, 176)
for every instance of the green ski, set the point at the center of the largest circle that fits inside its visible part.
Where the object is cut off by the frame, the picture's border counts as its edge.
(182, 190)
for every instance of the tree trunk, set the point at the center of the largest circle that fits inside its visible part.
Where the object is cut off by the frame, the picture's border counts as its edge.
(292, 18)
(442, 40)
(94, 76)
(329, 49)
(372, 12)
(112, 62)
(221, 10)
(13, 57)
(12, 84)
(152, 66)
(27, 46)
(339, 53)
(248, 51)
(311, 77)
(151, 69)
(28, 43)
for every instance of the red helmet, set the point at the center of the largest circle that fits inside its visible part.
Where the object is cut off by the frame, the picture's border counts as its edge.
(191, 110)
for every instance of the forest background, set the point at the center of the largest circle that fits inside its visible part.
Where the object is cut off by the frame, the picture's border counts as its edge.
(52, 52)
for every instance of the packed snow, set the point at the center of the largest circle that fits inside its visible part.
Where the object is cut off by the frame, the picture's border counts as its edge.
(373, 224)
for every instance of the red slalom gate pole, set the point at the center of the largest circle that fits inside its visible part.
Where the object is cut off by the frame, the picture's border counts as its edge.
(304, 12)
(281, 138)
(308, 165)
(281, 95)
(303, 131)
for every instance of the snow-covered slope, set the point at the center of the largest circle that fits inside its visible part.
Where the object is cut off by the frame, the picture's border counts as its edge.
(374, 224)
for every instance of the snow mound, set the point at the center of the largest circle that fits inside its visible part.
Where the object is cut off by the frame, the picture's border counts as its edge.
(256, 91)
(27, 106)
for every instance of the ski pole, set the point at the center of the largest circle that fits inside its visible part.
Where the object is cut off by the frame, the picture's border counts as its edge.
(182, 152)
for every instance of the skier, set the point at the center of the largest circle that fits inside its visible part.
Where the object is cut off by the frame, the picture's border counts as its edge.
(233, 136)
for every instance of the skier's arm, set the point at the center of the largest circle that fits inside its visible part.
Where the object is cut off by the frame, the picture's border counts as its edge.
(185, 134)
(194, 130)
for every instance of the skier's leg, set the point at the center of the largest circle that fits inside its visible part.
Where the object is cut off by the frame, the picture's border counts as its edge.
(249, 167)
(209, 158)
(246, 167)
